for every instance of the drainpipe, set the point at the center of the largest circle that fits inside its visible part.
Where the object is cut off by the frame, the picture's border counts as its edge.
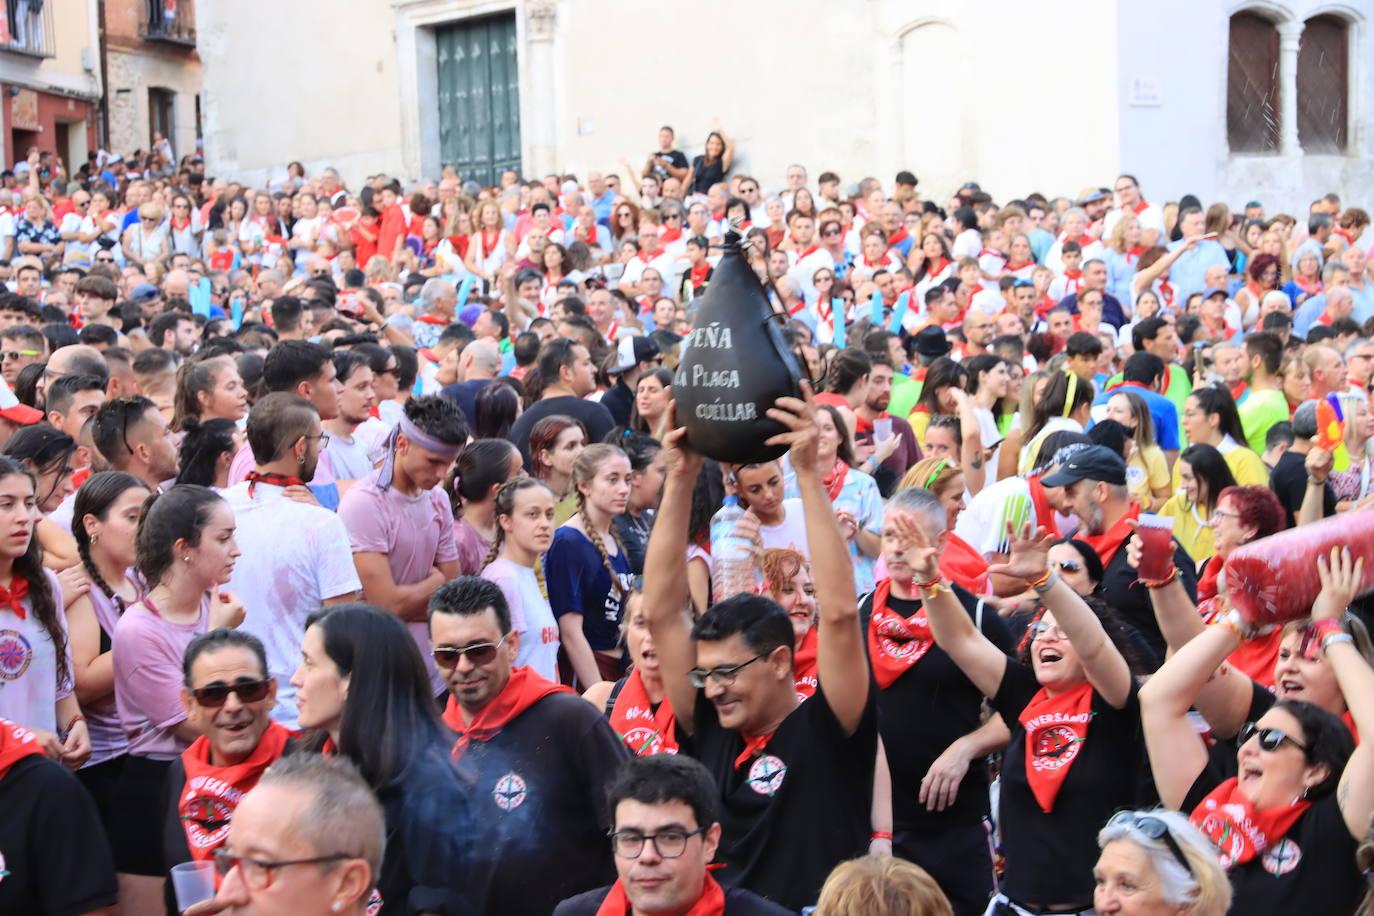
(104, 138)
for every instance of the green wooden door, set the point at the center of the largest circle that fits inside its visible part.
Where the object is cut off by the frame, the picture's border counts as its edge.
(479, 97)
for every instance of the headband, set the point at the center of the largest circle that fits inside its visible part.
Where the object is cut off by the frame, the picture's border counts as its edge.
(1069, 393)
(939, 469)
(421, 439)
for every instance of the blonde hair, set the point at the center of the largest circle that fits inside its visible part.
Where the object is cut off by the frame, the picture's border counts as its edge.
(920, 473)
(881, 886)
(1117, 240)
(584, 469)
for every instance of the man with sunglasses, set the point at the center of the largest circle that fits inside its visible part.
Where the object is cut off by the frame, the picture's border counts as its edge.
(540, 755)
(228, 697)
(302, 558)
(664, 833)
(795, 778)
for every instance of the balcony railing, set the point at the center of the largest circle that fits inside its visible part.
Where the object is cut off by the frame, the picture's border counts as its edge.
(26, 27)
(170, 20)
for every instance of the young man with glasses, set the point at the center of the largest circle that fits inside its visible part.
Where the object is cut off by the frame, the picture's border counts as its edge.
(301, 558)
(540, 755)
(228, 697)
(781, 767)
(20, 346)
(665, 831)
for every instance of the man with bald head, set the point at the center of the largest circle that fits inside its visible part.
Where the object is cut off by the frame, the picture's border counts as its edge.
(176, 285)
(1327, 369)
(77, 359)
(479, 363)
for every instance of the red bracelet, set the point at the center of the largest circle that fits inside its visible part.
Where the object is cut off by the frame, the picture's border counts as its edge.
(881, 835)
(75, 719)
(1160, 583)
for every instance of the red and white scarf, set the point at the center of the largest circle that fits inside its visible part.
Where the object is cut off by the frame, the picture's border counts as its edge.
(895, 643)
(1237, 829)
(16, 743)
(1056, 727)
(644, 730)
(212, 793)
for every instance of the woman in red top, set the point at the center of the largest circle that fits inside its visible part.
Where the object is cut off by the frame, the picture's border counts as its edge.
(1286, 825)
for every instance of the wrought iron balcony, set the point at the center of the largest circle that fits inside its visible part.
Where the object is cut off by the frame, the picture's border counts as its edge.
(26, 27)
(170, 20)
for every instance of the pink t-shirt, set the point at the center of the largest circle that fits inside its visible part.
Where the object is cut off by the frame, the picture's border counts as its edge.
(147, 672)
(415, 533)
(472, 547)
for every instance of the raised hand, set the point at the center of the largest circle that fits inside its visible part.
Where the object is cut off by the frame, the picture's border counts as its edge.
(680, 462)
(1340, 577)
(1030, 553)
(922, 556)
(802, 436)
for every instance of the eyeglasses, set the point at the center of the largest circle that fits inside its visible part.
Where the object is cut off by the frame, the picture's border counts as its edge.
(669, 844)
(1152, 828)
(829, 233)
(1222, 513)
(389, 370)
(1069, 566)
(11, 355)
(1042, 630)
(323, 437)
(1270, 739)
(724, 677)
(483, 653)
(213, 696)
(257, 873)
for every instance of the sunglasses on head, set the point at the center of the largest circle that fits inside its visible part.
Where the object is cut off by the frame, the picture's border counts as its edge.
(483, 653)
(213, 696)
(1152, 828)
(1270, 739)
(1069, 566)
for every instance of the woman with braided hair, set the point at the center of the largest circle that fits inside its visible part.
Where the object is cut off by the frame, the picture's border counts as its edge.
(104, 521)
(482, 467)
(524, 516)
(588, 572)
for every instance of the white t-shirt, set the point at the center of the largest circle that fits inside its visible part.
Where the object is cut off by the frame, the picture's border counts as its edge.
(1151, 217)
(530, 615)
(791, 533)
(967, 244)
(295, 556)
(28, 665)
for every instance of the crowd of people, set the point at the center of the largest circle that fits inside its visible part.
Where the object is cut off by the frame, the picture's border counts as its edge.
(355, 545)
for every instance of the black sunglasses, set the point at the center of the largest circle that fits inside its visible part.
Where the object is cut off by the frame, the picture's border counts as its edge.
(1270, 739)
(213, 696)
(1153, 828)
(483, 653)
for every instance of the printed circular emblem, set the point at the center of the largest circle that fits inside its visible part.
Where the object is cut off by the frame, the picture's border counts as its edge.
(15, 654)
(896, 641)
(644, 741)
(207, 822)
(1282, 857)
(1055, 747)
(509, 791)
(766, 775)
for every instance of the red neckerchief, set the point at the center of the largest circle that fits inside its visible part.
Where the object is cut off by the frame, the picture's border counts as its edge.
(1227, 331)
(801, 304)
(1109, 542)
(710, 903)
(1325, 318)
(834, 481)
(669, 236)
(644, 730)
(896, 238)
(80, 477)
(1074, 275)
(804, 665)
(523, 690)
(700, 274)
(1012, 266)
(1085, 240)
(718, 215)
(1139, 206)
(1345, 234)
(1043, 307)
(13, 596)
(1056, 727)
(1236, 829)
(182, 226)
(432, 319)
(808, 252)
(1044, 513)
(1310, 286)
(753, 746)
(328, 749)
(775, 236)
(489, 241)
(277, 480)
(895, 643)
(612, 331)
(962, 564)
(16, 743)
(1241, 389)
(936, 268)
(212, 793)
(1207, 582)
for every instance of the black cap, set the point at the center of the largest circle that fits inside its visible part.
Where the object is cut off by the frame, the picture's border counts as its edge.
(1096, 462)
(932, 343)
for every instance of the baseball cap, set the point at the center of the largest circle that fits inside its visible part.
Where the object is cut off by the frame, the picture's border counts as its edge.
(1214, 291)
(144, 292)
(1096, 462)
(632, 351)
(1089, 195)
(15, 412)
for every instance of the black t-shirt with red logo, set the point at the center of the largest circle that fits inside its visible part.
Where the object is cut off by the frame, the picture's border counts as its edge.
(1050, 857)
(796, 810)
(922, 713)
(1311, 869)
(54, 857)
(538, 805)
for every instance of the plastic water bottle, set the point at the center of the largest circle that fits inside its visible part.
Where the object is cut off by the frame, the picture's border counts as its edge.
(732, 564)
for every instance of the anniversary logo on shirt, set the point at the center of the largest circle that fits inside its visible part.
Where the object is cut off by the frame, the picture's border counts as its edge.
(1054, 741)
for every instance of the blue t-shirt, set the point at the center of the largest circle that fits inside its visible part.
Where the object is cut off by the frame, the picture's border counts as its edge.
(1162, 411)
(579, 584)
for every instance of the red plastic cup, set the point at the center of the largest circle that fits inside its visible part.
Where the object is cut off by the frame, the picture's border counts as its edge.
(1156, 533)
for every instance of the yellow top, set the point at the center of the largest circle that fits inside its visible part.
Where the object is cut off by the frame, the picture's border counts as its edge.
(1146, 471)
(1190, 527)
(1247, 467)
(920, 422)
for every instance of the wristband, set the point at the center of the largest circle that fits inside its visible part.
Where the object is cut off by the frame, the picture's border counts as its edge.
(880, 835)
(932, 587)
(1045, 582)
(75, 719)
(1324, 628)
(1232, 621)
(1329, 641)
(1160, 583)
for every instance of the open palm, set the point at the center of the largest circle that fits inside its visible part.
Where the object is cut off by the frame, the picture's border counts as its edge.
(1030, 553)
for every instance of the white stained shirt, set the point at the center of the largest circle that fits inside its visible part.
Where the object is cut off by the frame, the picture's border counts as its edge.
(530, 615)
(791, 534)
(296, 555)
(1151, 217)
(28, 665)
(967, 244)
